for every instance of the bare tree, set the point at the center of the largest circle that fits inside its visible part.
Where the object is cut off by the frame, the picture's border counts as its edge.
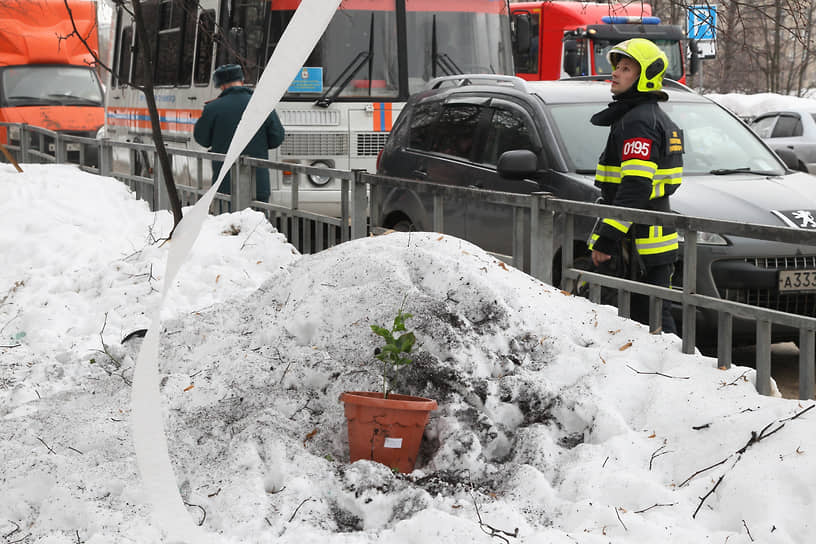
(762, 45)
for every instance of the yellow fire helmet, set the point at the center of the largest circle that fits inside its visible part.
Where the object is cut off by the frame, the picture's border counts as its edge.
(653, 62)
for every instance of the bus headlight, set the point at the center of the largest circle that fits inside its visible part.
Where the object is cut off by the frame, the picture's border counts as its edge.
(14, 133)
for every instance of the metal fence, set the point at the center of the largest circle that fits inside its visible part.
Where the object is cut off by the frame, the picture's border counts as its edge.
(543, 228)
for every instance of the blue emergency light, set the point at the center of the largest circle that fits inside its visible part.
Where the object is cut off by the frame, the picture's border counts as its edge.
(628, 19)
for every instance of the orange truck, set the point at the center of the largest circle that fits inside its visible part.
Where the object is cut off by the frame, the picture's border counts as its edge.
(555, 39)
(47, 74)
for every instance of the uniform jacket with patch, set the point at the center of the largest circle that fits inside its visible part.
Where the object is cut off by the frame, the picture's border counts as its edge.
(641, 165)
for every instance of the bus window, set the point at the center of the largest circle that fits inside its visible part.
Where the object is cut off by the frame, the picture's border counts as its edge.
(204, 47)
(469, 40)
(174, 64)
(123, 68)
(359, 46)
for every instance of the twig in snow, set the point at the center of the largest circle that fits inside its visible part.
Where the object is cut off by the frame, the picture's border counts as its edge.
(660, 374)
(252, 232)
(704, 497)
(653, 506)
(657, 453)
(16, 528)
(687, 480)
(747, 530)
(799, 413)
(304, 501)
(759, 437)
(617, 513)
(46, 445)
(76, 450)
(490, 530)
(738, 378)
(19, 540)
(200, 523)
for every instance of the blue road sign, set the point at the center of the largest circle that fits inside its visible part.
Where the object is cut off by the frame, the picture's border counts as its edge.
(702, 22)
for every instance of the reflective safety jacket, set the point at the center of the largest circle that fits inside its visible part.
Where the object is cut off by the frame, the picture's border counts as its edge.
(641, 165)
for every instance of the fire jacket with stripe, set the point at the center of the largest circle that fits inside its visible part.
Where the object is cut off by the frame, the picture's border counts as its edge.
(641, 165)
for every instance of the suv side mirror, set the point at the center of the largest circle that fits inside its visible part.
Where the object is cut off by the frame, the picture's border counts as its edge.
(517, 164)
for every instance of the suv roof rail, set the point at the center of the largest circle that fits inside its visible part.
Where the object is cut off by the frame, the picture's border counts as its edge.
(460, 80)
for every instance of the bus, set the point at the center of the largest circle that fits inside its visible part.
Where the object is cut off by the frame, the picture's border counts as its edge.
(556, 39)
(47, 73)
(340, 108)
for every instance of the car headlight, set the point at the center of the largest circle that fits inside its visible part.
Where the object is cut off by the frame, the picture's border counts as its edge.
(14, 133)
(707, 238)
(102, 132)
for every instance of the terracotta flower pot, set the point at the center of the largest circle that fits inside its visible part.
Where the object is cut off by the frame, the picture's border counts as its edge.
(388, 431)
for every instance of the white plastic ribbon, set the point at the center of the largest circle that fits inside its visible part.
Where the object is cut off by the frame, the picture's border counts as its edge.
(299, 39)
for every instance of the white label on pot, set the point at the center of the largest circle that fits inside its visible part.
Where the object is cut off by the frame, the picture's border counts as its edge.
(395, 443)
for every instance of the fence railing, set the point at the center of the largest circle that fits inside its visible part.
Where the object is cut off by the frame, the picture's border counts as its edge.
(543, 227)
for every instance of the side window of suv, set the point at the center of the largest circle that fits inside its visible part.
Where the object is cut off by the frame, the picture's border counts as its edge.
(456, 130)
(422, 128)
(508, 130)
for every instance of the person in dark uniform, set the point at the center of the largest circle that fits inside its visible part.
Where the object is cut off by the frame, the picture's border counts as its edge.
(640, 167)
(220, 118)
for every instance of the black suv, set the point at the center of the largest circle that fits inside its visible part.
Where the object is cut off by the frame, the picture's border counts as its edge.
(506, 134)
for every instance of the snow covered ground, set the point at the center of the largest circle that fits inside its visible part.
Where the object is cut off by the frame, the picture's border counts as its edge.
(557, 420)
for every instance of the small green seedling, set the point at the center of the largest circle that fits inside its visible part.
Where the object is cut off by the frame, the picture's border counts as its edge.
(394, 353)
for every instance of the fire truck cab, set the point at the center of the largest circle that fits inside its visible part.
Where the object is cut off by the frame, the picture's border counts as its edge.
(553, 40)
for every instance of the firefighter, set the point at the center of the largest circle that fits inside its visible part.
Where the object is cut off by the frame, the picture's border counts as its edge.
(640, 167)
(217, 124)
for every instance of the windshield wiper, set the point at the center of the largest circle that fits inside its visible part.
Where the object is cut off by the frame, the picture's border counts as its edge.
(442, 60)
(35, 99)
(741, 170)
(73, 99)
(351, 69)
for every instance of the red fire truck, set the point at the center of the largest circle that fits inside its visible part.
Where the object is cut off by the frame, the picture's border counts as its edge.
(556, 39)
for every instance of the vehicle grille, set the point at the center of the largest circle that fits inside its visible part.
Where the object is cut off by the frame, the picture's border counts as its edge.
(369, 145)
(297, 144)
(314, 117)
(794, 303)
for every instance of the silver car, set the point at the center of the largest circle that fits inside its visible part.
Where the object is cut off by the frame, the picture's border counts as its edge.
(457, 136)
(793, 129)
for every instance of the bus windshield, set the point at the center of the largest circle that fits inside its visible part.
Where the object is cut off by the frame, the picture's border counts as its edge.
(37, 85)
(670, 47)
(359, 55)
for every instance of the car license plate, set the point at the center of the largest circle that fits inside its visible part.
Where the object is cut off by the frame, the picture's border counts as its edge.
(797, 280)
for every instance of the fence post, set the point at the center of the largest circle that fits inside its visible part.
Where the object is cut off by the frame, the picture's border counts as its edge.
(542, 238)
(725, 329)
(60, 151)
(763, 357)
(438, 213)
(689, 288)
(24, 143)
(240, 185)
(105, 157)
(806, 365)
(345, 210)
(161, 200)
(359, 206)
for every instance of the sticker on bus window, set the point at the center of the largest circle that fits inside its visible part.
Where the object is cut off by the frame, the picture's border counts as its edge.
(308, 80)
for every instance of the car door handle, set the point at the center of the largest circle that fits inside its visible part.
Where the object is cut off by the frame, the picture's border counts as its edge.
(421, 174)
